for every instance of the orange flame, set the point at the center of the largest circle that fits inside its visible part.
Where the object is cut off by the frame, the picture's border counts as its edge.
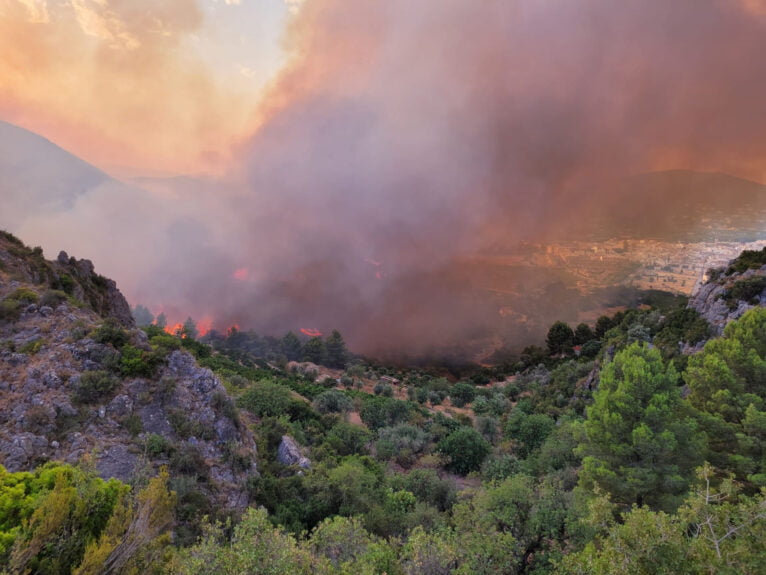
(311, 332)
(241, 274)
(205, 325)
(173, 329)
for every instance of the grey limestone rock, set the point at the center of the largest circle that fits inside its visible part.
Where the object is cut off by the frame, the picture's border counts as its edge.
(289, 453)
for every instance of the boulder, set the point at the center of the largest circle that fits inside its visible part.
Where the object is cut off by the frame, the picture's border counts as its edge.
(290, 454)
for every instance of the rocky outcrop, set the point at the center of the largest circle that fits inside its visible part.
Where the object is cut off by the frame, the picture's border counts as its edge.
(290, 454)
(125, 426)
(101, 293)
(714, 300)
(76, 278)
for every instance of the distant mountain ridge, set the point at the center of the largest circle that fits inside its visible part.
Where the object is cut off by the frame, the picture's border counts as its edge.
(674, 205)
(35, 173)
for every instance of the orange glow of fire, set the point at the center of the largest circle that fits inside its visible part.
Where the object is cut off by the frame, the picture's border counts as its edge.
(311, 332)
(241, 274)
(173, 329)
(204, 325)
(232, 329)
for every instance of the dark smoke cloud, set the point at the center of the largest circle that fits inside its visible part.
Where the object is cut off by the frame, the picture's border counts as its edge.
(405, 136)
(413, 133)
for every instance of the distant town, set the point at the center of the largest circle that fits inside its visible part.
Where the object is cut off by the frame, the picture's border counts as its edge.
(678, 267)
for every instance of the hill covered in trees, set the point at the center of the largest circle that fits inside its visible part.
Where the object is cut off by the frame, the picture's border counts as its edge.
(633, 445)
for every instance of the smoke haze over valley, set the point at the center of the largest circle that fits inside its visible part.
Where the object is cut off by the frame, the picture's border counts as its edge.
(391, 150)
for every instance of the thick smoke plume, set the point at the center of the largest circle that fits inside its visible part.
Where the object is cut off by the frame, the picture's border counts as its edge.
(404, 136)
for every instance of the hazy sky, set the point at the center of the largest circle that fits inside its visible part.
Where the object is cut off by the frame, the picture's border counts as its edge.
(368, 146)
(157, 85)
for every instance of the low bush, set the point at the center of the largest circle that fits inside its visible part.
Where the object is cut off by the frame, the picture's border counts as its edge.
(138, 363)
(94, 386)
(133, 424)
(24, 295)
(157, 446)
(53, 298)
(747, 290)
(333, 401)
(748, 259)
(186, 428)
(111, 333)
(32, 347)
(265, 398)
(10, 310)
(223, 405)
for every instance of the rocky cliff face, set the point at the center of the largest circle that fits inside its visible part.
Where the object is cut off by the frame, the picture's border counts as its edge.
(76, 278)
(126, 405)
(726, 296)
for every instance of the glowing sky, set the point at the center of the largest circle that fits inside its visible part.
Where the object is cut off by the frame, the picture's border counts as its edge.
(153, 85)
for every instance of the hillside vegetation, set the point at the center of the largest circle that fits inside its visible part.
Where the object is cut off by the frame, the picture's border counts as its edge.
(635, 445)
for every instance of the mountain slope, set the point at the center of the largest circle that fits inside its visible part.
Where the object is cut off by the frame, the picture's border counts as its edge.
(76, 385)
(35, 172)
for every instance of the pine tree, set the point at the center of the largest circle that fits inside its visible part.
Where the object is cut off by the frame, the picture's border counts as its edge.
(189, 329)
(291, 347)
(641, 447)
(337, 354)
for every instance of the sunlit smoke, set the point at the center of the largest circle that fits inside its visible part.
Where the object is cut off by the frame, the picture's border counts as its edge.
(422, 133)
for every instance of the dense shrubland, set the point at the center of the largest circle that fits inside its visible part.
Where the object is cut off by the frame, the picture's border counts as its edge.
(609, 451)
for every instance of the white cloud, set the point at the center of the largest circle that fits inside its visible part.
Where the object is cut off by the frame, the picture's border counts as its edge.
(37, 10)
(97, 20)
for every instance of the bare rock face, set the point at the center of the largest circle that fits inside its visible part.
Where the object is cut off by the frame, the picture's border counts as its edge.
(181, 416)
(100, 292)
(713, 303)
(290, 454)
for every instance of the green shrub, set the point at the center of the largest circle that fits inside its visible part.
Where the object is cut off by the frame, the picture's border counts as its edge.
(9, 237)
(53, 298)
(223, 405)
(189, 460)
(186, 428)
(380, 412)
(111, 333)
(462, 394)
(748, 259)
(10, 310)
(24, 295)
(65, 283)
(403, 442)
(138, 363)
(590, 348)
(165, 342)
(236, 456)
(333, 401)
(383, 389)
(348, 439)
(32, 347)
(94, 386)
(747, 290)
(466, 450)
(133, 424)
(265, 398)
(157, 445)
